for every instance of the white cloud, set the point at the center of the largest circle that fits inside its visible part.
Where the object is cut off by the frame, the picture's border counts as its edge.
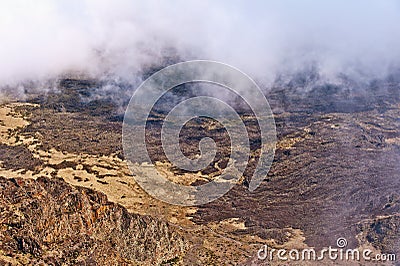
(42, 39)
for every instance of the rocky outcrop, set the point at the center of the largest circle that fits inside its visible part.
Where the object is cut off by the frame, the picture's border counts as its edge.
(47, 221)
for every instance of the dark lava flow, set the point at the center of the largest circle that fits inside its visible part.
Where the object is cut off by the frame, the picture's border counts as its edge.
(335, 172)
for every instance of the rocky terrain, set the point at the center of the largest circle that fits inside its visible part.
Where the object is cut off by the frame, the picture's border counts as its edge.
(68, 196)
(49, 222)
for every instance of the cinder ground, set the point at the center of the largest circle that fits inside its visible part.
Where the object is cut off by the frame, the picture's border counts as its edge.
(335, 174)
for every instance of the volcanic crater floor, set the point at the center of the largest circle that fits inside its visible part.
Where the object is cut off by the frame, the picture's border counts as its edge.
(335, 174)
